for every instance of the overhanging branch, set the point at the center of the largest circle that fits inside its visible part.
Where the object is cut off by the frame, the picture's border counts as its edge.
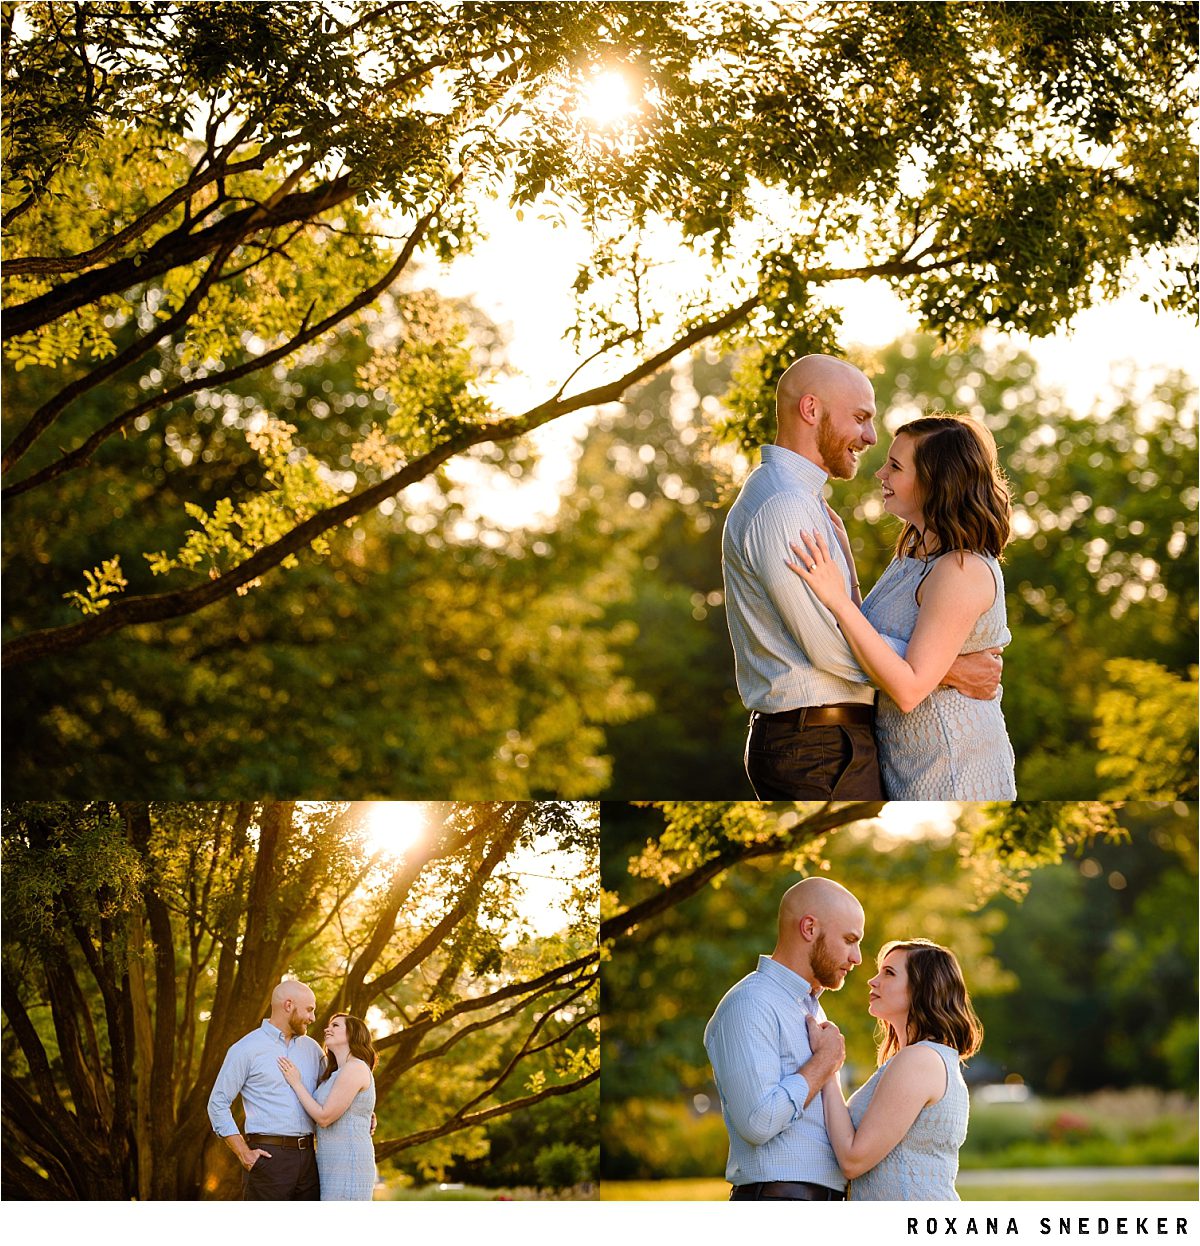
(155, 608)
(384, 1150)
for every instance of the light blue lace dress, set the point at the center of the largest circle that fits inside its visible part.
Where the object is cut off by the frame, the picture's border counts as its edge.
(950, 747)
(345, 1152)
(923, 1164)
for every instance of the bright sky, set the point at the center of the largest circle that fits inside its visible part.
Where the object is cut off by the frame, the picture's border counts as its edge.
(531, 300)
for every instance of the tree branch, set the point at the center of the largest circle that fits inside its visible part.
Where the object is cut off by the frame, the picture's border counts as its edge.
(465, 902)
(173, 250)
(830, 818)
(384, 1150)
(526, 1048)
(308, 333)
(51, 265)
(154, 608)
(49, 411)
(402, 1063)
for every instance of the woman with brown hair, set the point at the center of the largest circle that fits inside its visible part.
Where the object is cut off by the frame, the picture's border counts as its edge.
(341, 1108)
(942, 594)
(899, 1136)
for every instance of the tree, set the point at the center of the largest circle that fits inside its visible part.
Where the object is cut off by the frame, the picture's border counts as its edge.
(654, 459)
(1104, 949)
(1148, 731)
(142, 940)
(202, 192)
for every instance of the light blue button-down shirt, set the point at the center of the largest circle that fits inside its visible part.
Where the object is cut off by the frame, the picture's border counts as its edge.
(756, 1041)
(787, 647)
(251, 1069)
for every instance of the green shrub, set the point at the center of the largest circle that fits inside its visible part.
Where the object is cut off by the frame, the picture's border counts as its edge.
(561, 1165)
(1107, 1129)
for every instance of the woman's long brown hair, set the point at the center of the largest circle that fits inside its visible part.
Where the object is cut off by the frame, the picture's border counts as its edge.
(939, 1005)
(360, 1045)
(964, 496)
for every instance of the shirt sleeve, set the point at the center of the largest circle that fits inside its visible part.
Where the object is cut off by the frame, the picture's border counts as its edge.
(743, 1047)
(226, 1089)
(810, 624)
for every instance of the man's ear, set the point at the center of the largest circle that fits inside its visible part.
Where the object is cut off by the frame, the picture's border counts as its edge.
(809, 408)
(808, 927)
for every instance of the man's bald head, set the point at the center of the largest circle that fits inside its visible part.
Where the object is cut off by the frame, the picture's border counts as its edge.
(293, 1007)
(290, 990)
(821, 898)
(822, 375)
(824, 409)
(820, 929)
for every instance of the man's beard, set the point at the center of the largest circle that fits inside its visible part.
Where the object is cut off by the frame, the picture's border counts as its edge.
(826, 970)
(835, 454)
(298, 1028)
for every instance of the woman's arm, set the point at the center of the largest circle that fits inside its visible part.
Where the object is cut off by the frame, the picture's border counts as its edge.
(916, 1077)
(353, 1079)
(955, 593)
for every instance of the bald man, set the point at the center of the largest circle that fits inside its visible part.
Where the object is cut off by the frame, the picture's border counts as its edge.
(769, 1067)
(811, 706)
(276, 1154)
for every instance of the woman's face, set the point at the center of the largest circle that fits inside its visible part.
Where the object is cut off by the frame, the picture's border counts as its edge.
(898, 476)
(888, 990)
(335, 1031)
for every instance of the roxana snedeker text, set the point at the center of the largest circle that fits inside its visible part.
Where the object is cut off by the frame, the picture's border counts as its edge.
(1059, 1226)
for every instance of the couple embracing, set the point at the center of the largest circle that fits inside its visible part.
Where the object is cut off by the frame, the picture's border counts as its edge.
(775, 1058)
(810, 650)
(288, 1086)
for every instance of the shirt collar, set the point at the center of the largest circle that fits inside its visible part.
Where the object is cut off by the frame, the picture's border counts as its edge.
(274, 1033)
(789, 979)
(794, 467)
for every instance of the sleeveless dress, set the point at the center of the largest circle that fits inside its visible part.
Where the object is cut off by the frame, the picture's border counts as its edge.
(923, 1164)
(345, 1152)
(950, 747)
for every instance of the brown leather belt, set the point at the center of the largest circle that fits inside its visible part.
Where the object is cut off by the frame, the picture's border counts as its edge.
(295, 1142)
(810, 1191)
(852, 715)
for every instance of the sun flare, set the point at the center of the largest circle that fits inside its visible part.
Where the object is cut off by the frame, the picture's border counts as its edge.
(917, 819)
(394, 826)
(606, 99)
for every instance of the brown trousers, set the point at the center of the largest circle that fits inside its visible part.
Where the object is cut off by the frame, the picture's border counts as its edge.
(785, 761)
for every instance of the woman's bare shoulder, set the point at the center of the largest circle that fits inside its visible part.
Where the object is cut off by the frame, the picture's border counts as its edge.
(359, 1071)
(958, 574)
(918, 1064)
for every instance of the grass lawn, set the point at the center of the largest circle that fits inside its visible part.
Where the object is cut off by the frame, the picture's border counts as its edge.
(996, 1188)
(396, 1193)
(684, 1190)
